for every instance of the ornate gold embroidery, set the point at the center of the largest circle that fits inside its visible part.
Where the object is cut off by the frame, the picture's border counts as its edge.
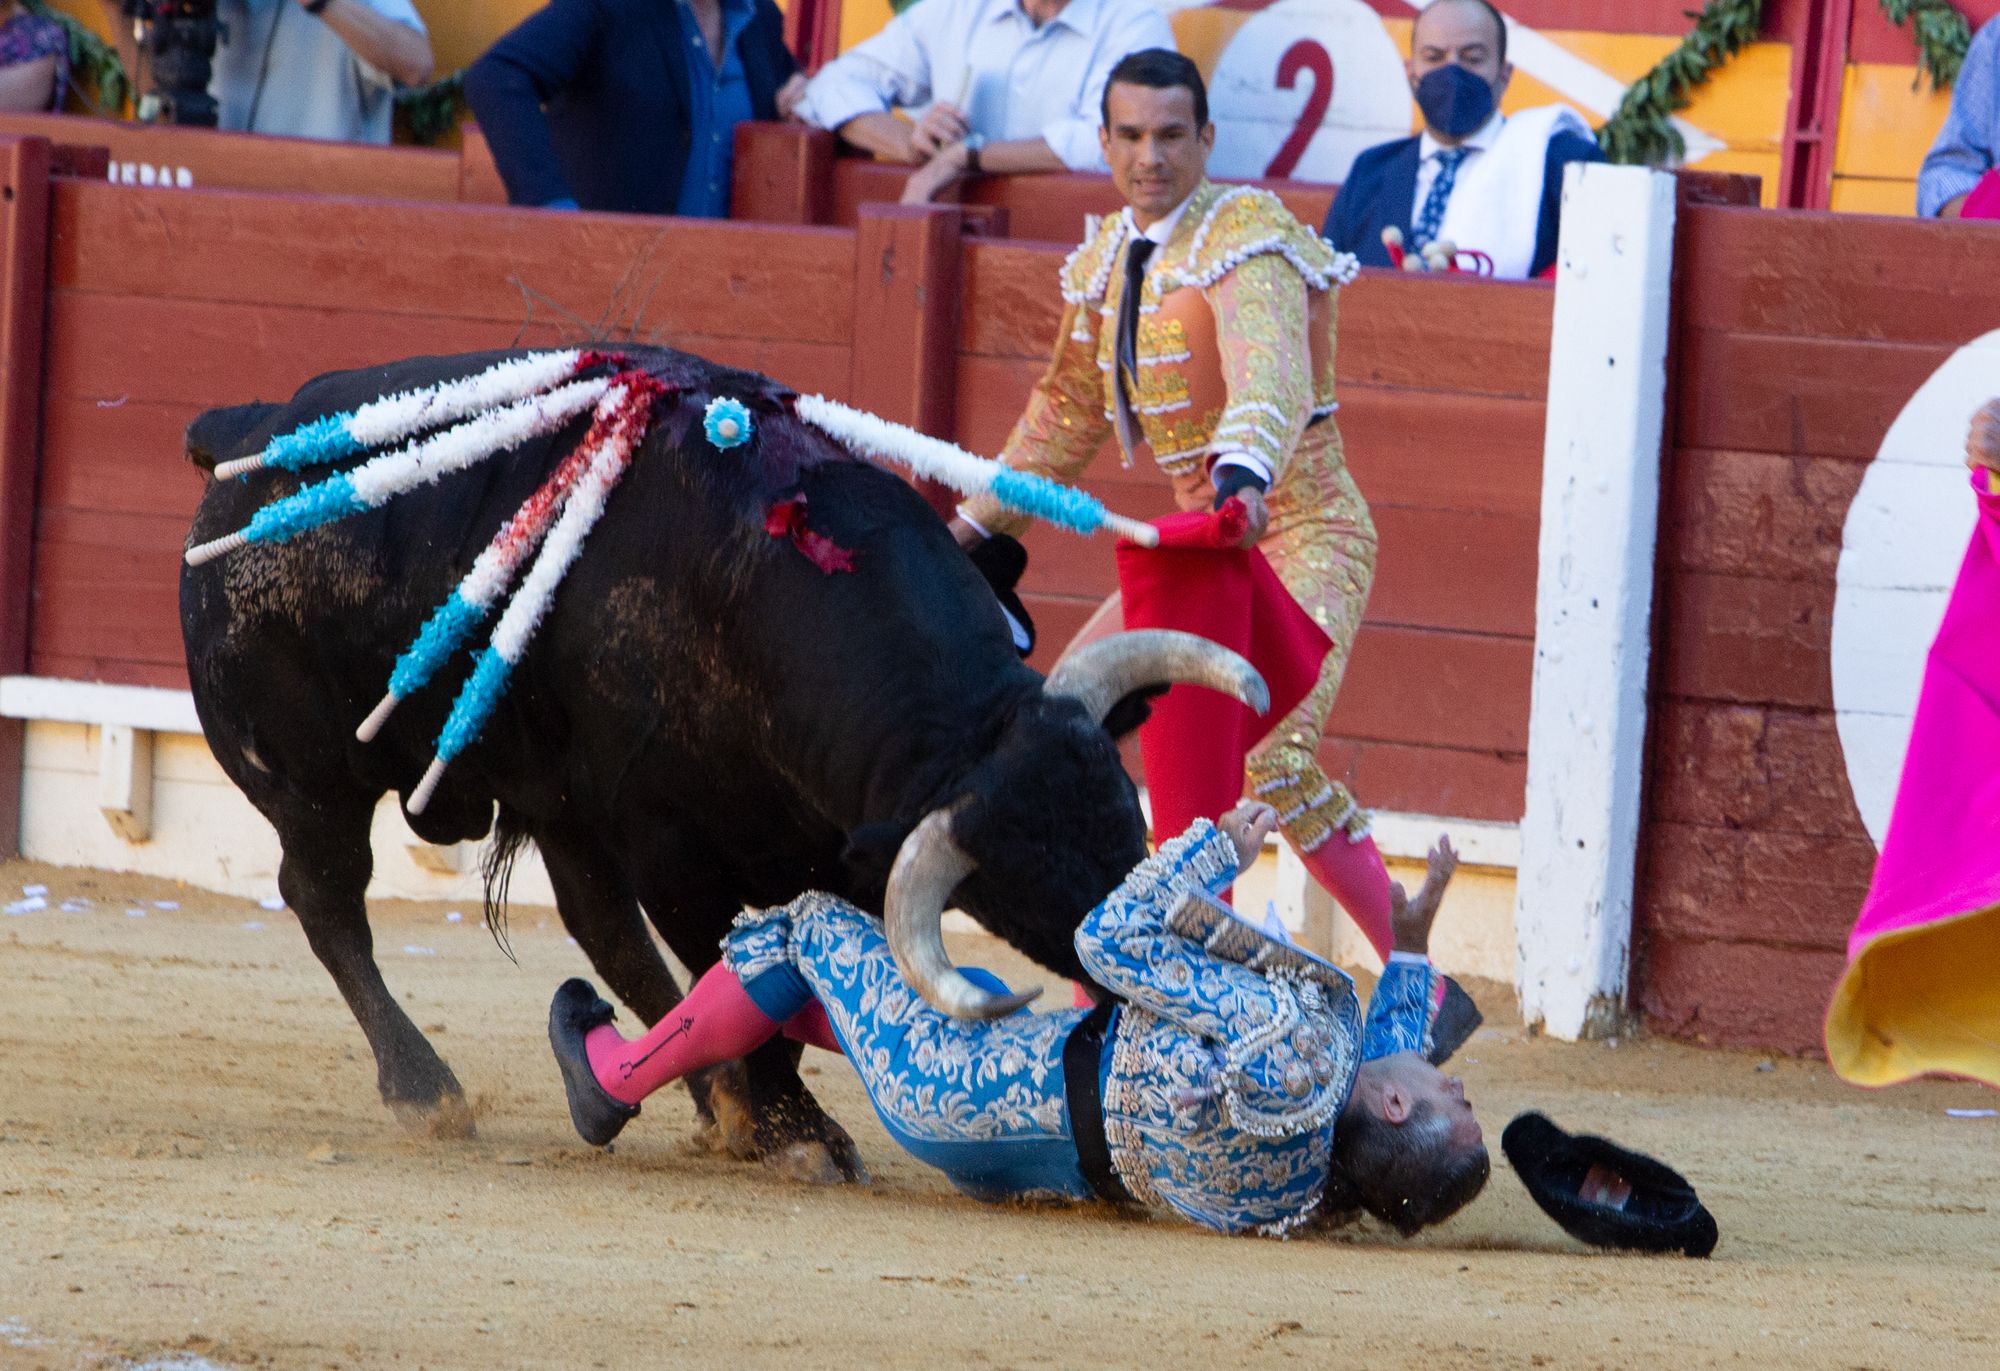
(1180, 440)
(1159, 387)
(1247, 256)
(1160, 340)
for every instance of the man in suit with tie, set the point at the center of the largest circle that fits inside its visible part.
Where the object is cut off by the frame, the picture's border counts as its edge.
(1481, 180)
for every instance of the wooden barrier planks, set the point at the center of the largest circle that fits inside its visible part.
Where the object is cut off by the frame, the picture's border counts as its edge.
(164, 303)
(1800, 339)
(210, 158)
(613, 274)
(1831, 277)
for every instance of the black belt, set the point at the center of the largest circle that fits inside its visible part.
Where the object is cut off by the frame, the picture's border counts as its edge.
(1083, 1057)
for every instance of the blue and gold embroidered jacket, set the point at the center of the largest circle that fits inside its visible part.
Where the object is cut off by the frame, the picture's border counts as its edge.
(1232, 1056)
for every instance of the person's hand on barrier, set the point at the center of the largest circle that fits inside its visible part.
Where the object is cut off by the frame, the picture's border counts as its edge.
(1259, 521)
(790, 94)
(937, 128)
(936, 176)
(1248, 825)
(1982, 442)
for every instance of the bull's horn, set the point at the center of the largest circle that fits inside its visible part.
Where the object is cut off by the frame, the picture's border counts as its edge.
(1100, 674)
(928, 868)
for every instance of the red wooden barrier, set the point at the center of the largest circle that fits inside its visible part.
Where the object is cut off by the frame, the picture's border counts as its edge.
(24, 209)
(164, 303)
(1799, 338)
(479, 180)
(158, 153)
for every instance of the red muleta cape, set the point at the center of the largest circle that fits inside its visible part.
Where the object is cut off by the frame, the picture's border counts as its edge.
(1199, 581)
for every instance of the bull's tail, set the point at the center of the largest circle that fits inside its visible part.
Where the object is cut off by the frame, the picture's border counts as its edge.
(510, 835)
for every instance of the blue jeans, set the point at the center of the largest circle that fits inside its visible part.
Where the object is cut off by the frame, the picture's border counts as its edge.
(980, 1100)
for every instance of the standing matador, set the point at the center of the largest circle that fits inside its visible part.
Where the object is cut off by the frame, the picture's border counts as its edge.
(1221, 362)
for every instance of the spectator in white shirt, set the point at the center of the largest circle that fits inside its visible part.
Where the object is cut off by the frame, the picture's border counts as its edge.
(993, 85)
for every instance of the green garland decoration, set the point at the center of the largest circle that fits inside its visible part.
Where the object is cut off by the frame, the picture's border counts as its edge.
(91, 59)
(1942, 36)
(1641, 131)
(430, 112)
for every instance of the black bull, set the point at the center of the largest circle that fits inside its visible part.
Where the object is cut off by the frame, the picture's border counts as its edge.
(705, 720)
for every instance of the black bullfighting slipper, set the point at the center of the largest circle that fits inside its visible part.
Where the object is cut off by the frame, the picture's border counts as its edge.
(1458, 1018)
(576, 1010)
(1603, 1194)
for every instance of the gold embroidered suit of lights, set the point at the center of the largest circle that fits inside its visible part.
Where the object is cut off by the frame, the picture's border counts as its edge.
(1235, 351)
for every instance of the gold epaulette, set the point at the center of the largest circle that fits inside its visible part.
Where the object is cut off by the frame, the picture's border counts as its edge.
(1086, 272)
(1245, 222)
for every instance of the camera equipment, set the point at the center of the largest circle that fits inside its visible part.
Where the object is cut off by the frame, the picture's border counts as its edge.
(177, 41)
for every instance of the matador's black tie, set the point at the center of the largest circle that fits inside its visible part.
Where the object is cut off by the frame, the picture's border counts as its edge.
(1136, 256)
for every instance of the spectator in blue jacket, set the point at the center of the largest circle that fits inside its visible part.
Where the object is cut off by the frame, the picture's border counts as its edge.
(1482, 180)
(631, 105)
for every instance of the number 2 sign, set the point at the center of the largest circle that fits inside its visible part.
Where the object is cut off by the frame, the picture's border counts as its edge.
(1302, 87)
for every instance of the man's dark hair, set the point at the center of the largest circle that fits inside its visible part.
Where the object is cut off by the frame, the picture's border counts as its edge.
(1499, 24)
(1159, 69)
(1408, 1175)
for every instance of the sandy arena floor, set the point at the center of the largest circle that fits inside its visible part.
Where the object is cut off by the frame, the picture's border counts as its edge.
(195, 1172)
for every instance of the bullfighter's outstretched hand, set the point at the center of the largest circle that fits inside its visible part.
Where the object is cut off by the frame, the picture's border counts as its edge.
(1411, 920)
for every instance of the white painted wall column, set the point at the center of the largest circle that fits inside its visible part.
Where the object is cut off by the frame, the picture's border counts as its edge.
(1594, 598)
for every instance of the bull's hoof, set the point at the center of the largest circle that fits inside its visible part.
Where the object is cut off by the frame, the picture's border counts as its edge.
(575, 1011)
(814, 1163)
(446, 1117)
(814, 1150)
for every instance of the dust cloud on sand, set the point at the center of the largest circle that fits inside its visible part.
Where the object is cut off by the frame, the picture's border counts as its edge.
(195, 1173)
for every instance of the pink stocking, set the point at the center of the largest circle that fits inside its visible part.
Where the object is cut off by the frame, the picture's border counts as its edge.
(717, 1021)
(1354, 875)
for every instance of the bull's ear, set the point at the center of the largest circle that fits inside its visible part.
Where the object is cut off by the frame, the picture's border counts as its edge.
(1132, 711)
(219, 434)
(870, 853)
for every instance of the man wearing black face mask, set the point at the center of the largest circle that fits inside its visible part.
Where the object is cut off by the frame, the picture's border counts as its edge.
(1481, 180)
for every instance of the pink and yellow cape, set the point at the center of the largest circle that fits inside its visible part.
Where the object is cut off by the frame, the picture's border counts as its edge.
(1921, 994)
